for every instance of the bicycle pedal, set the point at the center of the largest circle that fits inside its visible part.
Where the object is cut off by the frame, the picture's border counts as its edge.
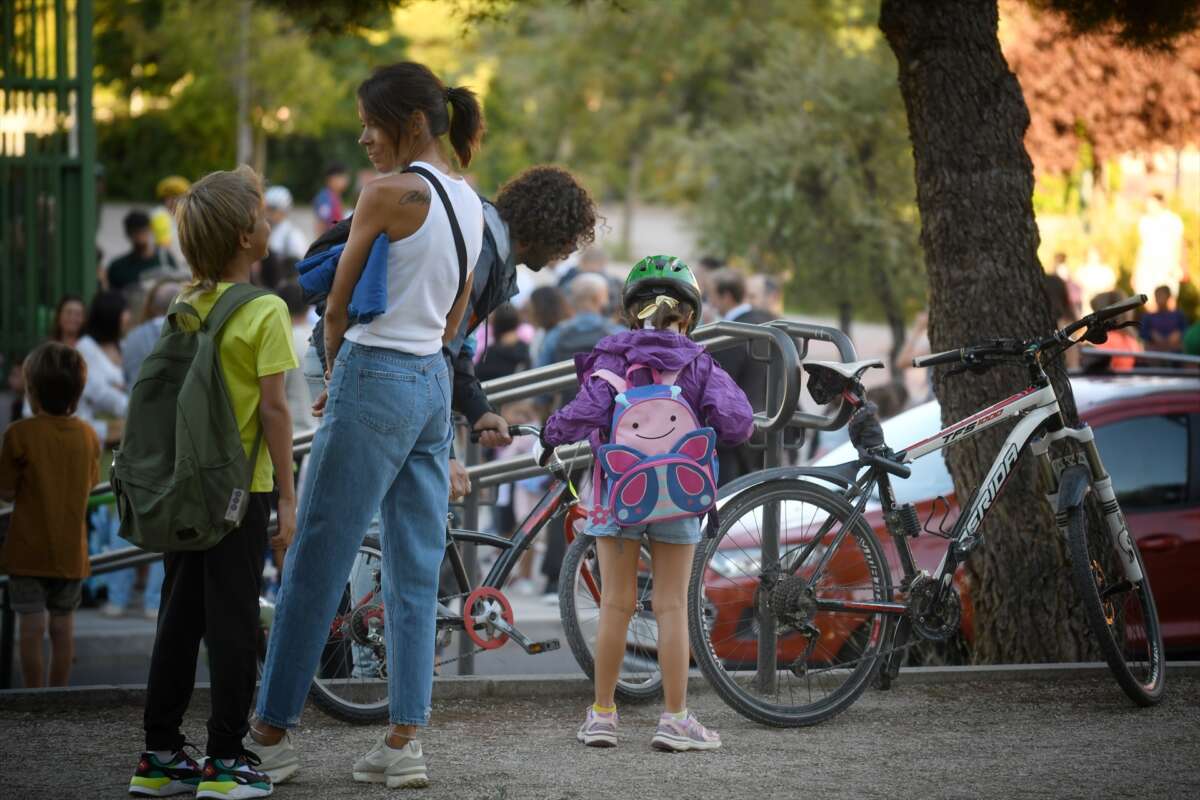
(543, 647)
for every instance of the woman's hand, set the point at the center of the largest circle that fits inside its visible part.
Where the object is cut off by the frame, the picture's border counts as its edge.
(460, 481)
(336, 325)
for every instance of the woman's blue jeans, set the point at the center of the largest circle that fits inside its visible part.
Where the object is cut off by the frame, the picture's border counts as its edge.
(383, 445)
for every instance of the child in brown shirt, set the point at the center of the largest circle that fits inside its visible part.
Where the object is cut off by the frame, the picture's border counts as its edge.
(48, 466)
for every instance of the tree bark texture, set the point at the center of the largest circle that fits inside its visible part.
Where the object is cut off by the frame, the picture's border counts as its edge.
(967, 118)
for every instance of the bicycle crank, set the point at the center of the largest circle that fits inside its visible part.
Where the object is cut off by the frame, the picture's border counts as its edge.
(932, 617)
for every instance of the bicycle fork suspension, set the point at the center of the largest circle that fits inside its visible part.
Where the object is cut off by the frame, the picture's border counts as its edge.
(1101, 484)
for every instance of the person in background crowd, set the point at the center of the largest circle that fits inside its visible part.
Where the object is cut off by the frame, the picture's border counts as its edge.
(1159, 259)
(548, 308)
(1162, 329)
(729, 298)
(16, 385)
(507, 354)
(1062, 271)
(69, 318)
(706, 268)
(918, 381)
(141, 340)
(162, 218)
(295, 387)
(1094, 277)
(1118, 339)
(588, 295)
(48, 466)
(765, 292)
(125, 273)
(105, 396)
(327, 205)
(515, 501)
(579, 334)
(287, 244)
(1058, 294)
(592, 260)
(1191, 340)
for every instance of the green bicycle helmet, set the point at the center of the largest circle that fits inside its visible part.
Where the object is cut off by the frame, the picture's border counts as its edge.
(663, 275)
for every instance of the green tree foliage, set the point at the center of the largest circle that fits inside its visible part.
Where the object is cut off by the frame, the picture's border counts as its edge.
(181, 56)
(814, 177)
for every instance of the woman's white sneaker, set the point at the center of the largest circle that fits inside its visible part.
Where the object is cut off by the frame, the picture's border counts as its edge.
(398, 767)
(280, 760)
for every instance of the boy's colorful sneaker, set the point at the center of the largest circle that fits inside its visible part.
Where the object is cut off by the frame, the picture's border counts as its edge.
(155, 778)
(234, 779)
(398, 767)
(280, 760)
(675, 736)
(598, 730)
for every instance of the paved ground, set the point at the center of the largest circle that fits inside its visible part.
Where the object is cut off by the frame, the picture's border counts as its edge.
(1061, 738)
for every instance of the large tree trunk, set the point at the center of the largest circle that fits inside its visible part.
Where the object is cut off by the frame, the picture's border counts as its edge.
(967, 119)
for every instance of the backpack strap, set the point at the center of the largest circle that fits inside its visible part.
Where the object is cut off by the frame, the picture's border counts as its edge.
(460, 244)
(230, 301)
(664, 378)
(610, 377)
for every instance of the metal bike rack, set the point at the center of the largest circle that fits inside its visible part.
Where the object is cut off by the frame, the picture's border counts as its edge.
(787, 345)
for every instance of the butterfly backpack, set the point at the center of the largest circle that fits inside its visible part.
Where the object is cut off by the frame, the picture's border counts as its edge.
(659, 464)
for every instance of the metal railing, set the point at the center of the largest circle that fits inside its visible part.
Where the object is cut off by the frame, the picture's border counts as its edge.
(787, 345)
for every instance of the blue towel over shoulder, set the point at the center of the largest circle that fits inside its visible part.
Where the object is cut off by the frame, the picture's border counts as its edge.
(370, 295)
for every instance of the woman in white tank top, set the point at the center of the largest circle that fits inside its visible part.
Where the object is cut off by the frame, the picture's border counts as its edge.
(383, 444)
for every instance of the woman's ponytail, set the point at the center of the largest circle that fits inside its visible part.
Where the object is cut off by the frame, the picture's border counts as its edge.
(466, 122)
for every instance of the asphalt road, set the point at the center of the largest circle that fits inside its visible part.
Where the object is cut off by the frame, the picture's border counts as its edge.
(1067, 737)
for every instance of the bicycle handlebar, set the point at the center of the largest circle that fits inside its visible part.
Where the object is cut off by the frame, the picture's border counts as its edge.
(513, 430)
(972, 354)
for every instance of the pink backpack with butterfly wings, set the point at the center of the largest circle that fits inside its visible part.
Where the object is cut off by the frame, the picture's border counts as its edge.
(659, 464)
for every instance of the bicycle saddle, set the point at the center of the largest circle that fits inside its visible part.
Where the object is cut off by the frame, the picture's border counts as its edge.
(852, 370)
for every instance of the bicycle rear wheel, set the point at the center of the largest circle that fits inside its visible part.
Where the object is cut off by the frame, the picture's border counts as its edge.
(579, 604)
(1121, 614)
(823, 659)
(351, 680)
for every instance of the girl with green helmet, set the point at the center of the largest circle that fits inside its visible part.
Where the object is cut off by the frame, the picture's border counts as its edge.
(661, 301)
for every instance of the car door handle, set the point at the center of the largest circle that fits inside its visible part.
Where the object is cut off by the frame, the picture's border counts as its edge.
(1160, 542)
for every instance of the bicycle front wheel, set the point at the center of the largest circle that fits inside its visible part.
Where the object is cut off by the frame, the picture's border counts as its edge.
(823, 657)
(1121, 614)
(579, 603)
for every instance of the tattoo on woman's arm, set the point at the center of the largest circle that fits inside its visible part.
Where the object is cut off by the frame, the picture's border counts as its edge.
(415, 197)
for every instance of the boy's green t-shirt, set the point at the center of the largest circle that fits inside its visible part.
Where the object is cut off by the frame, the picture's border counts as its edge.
(256, 342)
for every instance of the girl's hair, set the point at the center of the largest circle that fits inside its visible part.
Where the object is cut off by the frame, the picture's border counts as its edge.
(547, 307)
(56, 331)
(662, 312)
(394, 93)
(104, 317)
(212, 215)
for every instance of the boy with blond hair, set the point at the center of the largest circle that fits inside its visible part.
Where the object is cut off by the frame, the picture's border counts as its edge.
(213, 594)
(48, 466)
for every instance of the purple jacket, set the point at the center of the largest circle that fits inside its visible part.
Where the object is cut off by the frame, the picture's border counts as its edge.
(708, 389)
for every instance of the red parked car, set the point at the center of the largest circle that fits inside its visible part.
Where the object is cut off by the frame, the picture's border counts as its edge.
(1148, 432)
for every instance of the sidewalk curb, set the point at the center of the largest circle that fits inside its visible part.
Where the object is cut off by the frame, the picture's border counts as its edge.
(559, 686)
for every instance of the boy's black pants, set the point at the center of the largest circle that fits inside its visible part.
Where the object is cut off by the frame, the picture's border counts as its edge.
(210, 594)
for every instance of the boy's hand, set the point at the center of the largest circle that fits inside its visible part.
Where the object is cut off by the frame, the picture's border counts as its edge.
(493, 430)
(460, 481)
(286, 516)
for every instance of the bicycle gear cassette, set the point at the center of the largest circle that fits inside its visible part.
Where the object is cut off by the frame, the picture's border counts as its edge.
(935, 621)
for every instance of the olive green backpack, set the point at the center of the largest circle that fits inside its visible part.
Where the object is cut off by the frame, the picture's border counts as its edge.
(181, 477)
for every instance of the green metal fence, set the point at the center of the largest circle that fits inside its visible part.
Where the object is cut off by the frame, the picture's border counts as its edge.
(47, 164)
